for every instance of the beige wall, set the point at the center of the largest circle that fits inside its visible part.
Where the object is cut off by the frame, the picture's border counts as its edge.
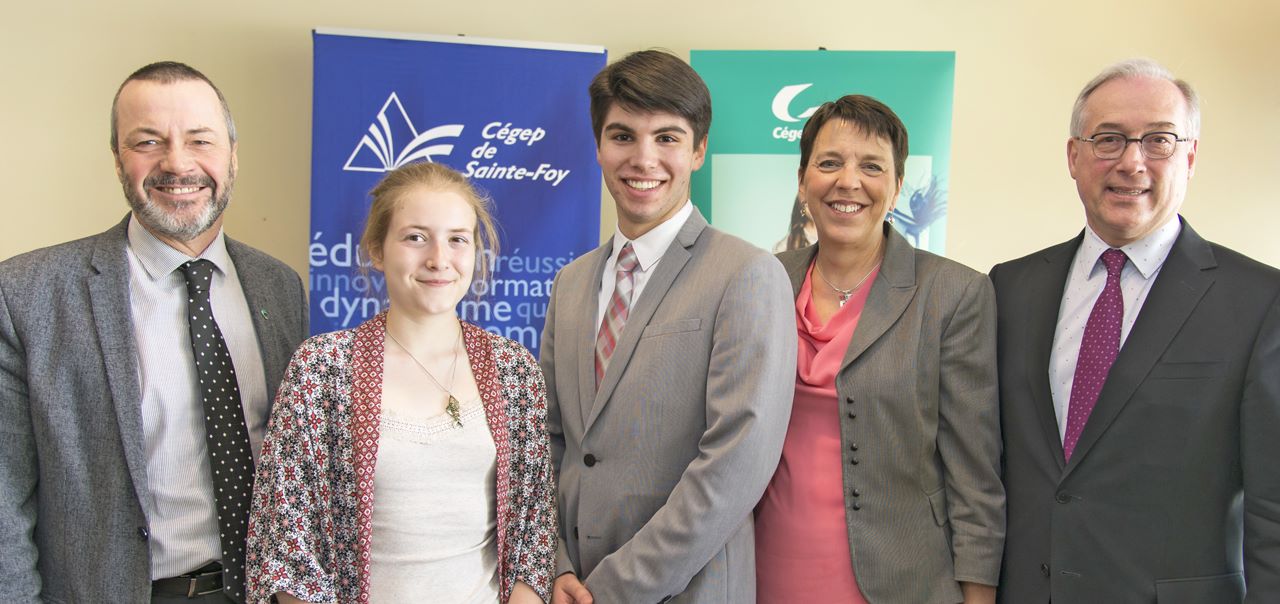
(1018, 67)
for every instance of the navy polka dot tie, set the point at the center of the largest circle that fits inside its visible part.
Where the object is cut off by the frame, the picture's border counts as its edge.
(227, 438)
(1098, 350)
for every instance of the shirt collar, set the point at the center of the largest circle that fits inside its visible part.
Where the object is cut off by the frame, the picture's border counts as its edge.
(160, 260)
(1146, 255)
(650, 246)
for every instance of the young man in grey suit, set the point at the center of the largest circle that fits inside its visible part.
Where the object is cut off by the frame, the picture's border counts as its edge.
(669, 354)
(124, 450)
(1139, 378)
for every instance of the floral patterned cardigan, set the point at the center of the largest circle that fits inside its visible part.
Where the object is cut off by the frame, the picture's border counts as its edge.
(310, 526)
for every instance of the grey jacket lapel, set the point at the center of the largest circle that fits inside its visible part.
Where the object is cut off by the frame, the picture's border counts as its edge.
(1183, 280)
(590, 304)
(673, 261)
(258, 288)
(109, 303)
(889, 297)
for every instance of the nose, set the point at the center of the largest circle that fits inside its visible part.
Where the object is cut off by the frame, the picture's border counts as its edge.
(435, 254)
(177, 160)
(646, 154)
(849, 177)
(1131, 160)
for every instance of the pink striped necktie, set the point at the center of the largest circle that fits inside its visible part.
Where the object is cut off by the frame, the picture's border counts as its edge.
(615, 315)
(1098, 350)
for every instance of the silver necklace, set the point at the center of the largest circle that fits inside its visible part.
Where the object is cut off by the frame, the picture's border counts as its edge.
(844, 294)
(452, 408)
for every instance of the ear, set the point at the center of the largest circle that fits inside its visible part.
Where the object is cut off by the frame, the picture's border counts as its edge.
(1073, 153)
(235, 161)
(897, 191)
(1191, 158)
(699, 153)
(375, 256)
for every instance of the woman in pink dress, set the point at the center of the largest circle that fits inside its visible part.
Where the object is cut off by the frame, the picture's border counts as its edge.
(889, 489)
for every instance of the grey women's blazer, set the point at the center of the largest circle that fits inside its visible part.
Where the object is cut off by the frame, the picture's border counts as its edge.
(74, 499)
(920, 428)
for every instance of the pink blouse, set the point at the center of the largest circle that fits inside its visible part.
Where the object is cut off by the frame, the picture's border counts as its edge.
(802, 543)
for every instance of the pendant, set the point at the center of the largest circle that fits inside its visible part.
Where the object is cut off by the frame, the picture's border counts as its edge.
(453, 410)
(844, 298)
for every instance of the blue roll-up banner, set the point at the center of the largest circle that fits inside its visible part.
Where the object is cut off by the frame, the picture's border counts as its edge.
(512, 116)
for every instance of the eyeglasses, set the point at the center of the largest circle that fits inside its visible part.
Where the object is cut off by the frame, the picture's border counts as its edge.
(1154, 145)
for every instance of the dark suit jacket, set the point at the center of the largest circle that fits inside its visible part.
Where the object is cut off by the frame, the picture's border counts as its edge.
(1177, 463)
(660, 466)
(74, 499)
(917, 398)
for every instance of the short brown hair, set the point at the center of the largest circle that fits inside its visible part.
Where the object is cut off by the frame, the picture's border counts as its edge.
(652, 81)
(872, 116)
(435, 177)
(168, 72)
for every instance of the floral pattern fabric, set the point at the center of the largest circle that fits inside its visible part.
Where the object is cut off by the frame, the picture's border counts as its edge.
(310, 526)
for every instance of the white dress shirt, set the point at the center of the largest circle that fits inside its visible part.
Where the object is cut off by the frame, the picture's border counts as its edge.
(649, 249)
(182, 517)
(1085, 281)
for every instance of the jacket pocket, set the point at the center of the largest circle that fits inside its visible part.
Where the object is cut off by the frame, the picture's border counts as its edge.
(1199, 590)
(678, 326)
(1187, 370)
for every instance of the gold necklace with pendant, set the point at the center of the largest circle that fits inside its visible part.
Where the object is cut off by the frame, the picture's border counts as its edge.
(452, 408)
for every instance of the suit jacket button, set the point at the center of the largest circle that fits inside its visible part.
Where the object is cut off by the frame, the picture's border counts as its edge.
(848, 400)
(853, 415)
(855, 493)
(1044, 569)
(589, 459)
(853, 461)
(856, 506)
(853, 447)
(143, 533)
(1063, 498)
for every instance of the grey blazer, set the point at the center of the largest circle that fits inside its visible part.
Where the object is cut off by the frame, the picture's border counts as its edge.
(1176, 467)
(920, 428)
(659, 469)
(74, 499)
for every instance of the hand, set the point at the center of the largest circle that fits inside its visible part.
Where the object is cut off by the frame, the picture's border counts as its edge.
(977, 593)
(569, 590)
(523, 594)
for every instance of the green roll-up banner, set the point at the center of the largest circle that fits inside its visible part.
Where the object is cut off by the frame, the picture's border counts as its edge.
(760, 101)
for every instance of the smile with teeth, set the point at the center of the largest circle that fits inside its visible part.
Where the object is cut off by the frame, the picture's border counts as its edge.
(1131, 192)
(847, 208)
(179, 190)
(643, 185)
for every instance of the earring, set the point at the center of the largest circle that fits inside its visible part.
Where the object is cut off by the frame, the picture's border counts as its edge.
(804, 210)
(889, 219)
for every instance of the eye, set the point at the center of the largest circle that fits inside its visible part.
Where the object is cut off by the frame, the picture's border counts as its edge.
(1158, 138)
(460, 239)
(667, 138)
(1108, 138)
(873, 169)
(828, 165)
(621, 137)
(415, 238)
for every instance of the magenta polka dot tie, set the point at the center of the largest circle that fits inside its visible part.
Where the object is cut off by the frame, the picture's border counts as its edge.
(1098, 350)
(227, 438)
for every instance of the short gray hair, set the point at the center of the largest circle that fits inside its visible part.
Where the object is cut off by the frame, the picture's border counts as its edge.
(168, 72)
(1138, 68)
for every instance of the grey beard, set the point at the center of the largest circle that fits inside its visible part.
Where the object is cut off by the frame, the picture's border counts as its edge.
(172, 227)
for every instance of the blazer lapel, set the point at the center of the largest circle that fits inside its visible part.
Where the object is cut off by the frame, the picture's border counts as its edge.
(890, 295)
(109, 303)
(1043, 302)
(673, 261)
(257, 288)
(1183, 280)
(589, 304)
